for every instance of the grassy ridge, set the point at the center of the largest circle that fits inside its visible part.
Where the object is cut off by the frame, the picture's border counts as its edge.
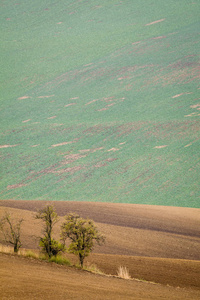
(100, 101)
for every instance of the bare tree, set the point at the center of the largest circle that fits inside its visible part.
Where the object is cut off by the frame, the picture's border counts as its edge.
(11, 230)
(82, 233)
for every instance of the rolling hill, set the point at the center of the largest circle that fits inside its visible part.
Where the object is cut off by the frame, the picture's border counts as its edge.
(100, 101)
(159, 246)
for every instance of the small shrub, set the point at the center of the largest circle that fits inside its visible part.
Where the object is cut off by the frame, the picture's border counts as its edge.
(21, 252)
(60, 260)
(93, 268)
(55, 246)
(6, 249)
(31, 254)
(123, 272)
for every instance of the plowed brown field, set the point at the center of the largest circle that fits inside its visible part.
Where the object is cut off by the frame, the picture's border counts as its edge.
(157, 244)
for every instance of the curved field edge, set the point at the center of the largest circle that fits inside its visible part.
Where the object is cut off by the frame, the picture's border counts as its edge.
(22, 278)
(158, 244)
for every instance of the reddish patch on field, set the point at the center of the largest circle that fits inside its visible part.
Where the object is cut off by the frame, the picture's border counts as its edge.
(7, 146)
(70, 104)
(68, 170)
(96, 149)
(23, 97)
(159, 147)
(180, 72)
(71, 158)
(58, 169)
(84, 150)
(92, 101)
(88, 65)
(108, 99)
(129, 72)
(111, 159)
(155, 22)
(8, 19)
(124, 130)
(176, 96)
(62, 144)
(188, 145)
(121, 78)
(100, 165)
(192, 115)
(104, 163)
(51, 117)
(35, 145)
(113, 149)
(195, 106)
(26, 121)
(59, 23)
(102, 109)
(159, 37)
(48, 96)
(15, 186)
(91, 150)
(136, 43)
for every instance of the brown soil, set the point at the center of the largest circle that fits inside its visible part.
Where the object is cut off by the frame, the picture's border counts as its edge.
(23, 278)
(157, 244)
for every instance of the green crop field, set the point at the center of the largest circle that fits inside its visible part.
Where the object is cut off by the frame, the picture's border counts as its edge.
(100, 101)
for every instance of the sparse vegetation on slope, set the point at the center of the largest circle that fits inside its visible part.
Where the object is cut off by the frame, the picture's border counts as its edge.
(61, 282)
(123, 272)
(151, 242)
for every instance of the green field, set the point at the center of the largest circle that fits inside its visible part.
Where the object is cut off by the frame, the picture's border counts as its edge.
(100, 101)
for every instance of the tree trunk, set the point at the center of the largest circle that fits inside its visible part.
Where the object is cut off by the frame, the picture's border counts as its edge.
(16, 248)
(81, 258)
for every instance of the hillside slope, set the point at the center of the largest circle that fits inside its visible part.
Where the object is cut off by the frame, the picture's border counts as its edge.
(150, 231)
(100, 101)
(157, 244)
(39, 280)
